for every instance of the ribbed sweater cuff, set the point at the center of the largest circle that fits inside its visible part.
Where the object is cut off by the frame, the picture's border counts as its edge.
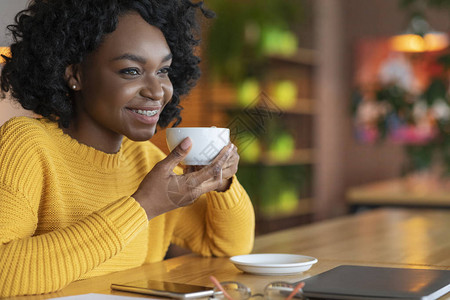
(228, 199)
(128, 217)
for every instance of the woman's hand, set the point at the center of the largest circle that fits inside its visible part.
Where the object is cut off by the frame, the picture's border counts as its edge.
(229, 168)
(162, 190)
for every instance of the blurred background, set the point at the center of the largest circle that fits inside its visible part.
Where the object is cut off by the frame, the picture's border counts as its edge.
(337, 106)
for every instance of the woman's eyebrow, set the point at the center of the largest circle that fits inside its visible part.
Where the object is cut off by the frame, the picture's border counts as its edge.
(129, 56)
(167, 57)
(139, 59)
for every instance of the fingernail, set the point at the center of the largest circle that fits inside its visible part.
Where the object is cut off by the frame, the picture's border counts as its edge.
(185, 144)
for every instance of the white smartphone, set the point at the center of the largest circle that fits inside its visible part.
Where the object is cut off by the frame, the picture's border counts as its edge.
(164, 289)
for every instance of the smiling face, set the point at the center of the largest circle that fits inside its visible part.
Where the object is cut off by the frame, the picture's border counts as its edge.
(122, 87)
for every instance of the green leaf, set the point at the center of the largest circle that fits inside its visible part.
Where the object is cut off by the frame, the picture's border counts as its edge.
(436, 90)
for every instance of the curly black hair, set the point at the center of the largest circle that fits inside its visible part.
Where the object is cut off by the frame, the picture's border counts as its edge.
(52, 34)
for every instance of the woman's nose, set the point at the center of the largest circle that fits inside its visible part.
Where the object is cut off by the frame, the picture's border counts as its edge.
(152, 89)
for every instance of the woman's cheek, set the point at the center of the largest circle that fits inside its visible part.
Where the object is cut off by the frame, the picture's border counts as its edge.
(168, 92)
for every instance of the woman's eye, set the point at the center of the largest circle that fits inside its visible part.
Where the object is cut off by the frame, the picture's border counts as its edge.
(165, 70)
(130, 71)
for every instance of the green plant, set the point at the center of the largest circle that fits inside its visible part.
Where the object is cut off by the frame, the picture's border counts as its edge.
(239, 38)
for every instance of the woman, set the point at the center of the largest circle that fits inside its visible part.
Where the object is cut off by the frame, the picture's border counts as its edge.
(82, 191)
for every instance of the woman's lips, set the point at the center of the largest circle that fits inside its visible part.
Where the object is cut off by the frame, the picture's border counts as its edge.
(146, 116)
(146, 112)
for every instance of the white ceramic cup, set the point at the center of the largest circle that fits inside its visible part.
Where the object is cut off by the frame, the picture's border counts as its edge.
(206, 142)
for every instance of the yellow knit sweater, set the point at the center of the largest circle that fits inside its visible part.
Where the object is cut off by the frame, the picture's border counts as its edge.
(66, 212)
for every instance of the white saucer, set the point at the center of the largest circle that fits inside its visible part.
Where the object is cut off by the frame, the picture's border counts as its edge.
(273, 264)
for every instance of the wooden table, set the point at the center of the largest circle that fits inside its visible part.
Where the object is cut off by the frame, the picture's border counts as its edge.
(382, 237)
(416, 192)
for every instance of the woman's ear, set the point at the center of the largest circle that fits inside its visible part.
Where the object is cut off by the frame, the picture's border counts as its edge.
(72, 77)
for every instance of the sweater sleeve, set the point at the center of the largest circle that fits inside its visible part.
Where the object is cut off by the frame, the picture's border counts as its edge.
(33, 263)
(218, 224)
(48, 262)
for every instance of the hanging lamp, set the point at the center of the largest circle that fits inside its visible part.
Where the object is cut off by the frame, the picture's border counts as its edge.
(419, 37)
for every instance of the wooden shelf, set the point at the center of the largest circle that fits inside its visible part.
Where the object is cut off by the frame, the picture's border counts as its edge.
(261, 120)
(300, 157)
(301, 57)
(303, 106)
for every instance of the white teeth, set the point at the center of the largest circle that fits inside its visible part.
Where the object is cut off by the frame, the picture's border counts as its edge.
(147, 113)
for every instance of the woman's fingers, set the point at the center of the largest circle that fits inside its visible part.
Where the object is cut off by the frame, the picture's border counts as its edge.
(222, 181)
(213, 170)
(233, 161)
(198, 180)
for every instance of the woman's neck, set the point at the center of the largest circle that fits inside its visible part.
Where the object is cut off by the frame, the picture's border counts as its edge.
(108, 142)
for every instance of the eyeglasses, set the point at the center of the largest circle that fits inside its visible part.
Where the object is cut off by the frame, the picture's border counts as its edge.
(279, 290)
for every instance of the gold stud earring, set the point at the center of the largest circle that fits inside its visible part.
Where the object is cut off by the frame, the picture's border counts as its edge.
(74, 86)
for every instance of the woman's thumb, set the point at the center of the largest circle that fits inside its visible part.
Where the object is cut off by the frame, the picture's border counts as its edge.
(178, 153)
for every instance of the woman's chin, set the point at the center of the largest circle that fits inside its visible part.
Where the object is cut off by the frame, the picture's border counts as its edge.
(141, 136)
